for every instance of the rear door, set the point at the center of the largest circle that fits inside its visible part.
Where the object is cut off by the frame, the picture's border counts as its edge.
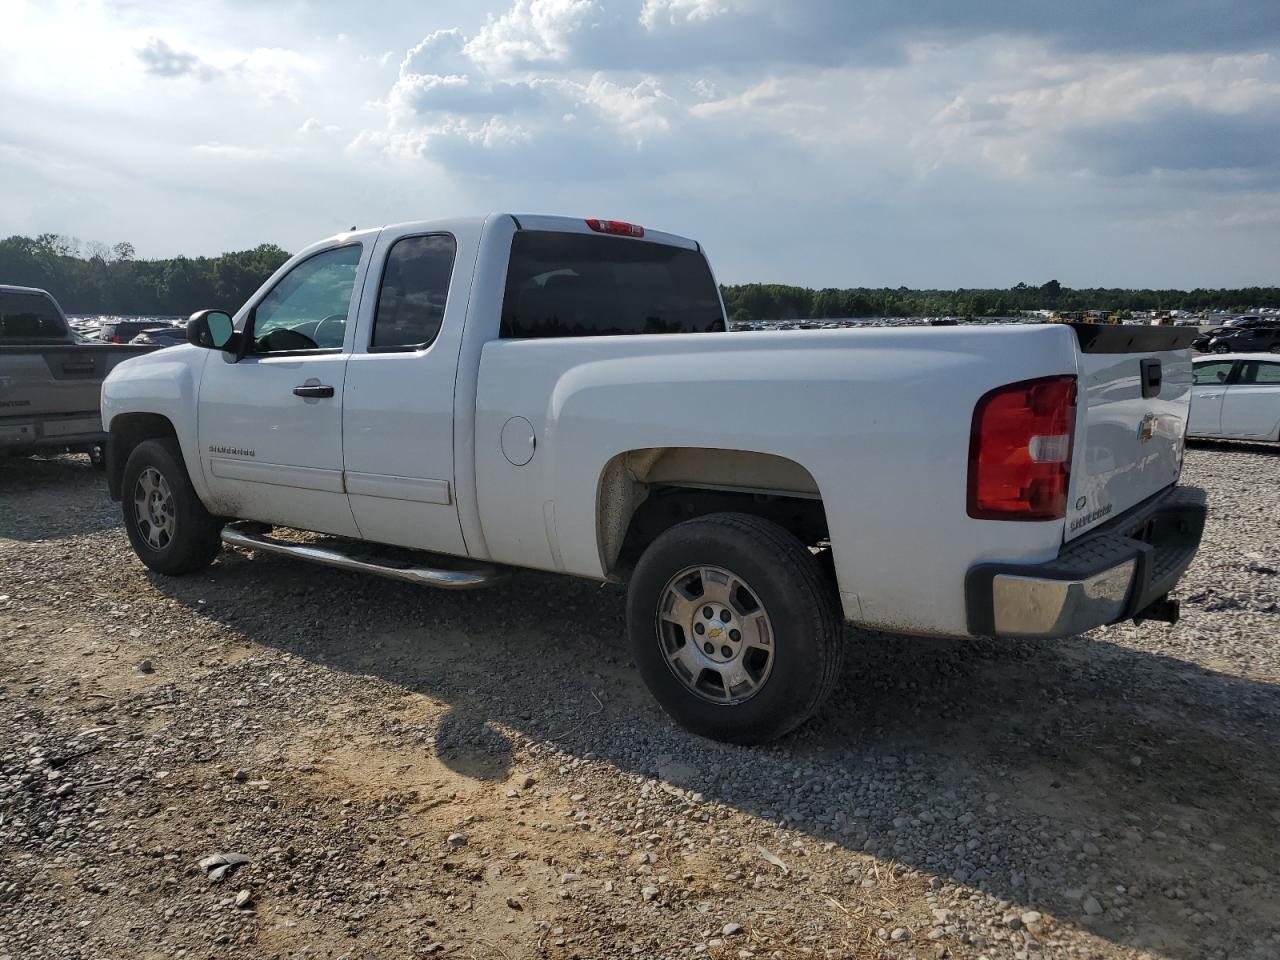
(1135, 388)
(397, 416)
(270, 425)
(1251, 406)
(1210, 386)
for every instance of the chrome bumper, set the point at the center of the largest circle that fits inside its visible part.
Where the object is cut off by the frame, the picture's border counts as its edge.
(1119, 571)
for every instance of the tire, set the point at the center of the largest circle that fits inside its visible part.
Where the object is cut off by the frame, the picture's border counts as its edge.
(1221, 348)
(743, 691)
(169, 528)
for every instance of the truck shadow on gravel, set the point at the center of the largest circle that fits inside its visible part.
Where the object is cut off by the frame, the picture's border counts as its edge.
(1134, 794)
(44, 499)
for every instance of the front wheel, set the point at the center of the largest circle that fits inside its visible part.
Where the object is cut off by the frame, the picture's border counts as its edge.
(735, 627)
(169, 528)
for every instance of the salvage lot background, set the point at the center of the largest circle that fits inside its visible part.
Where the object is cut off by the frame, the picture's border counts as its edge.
(413, 773)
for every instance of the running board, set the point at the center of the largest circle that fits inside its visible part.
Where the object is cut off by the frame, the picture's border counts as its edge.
(250, 536)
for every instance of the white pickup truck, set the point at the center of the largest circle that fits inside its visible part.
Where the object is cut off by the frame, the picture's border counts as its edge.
(448, 399)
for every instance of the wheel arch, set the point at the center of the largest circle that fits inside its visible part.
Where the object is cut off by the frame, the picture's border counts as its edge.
(127, 431)
(644, 491)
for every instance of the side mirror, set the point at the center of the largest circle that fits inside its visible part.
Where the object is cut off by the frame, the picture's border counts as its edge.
(212, 329)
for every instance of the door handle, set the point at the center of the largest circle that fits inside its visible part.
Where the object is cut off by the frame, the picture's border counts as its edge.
(316, 390)
(73, 367)
(1208, 396)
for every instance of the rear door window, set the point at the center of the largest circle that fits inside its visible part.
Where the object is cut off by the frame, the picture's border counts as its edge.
(29, 316)
(415, 289)
(579, 285)
(1261, 371)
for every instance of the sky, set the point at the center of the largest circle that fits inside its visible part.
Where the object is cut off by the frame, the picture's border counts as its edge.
(819, 142)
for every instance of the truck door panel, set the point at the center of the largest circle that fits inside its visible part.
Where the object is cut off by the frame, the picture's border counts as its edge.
(271, 424)
(398, 405)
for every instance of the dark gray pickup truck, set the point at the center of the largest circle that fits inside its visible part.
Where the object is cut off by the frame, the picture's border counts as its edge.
(50, 377)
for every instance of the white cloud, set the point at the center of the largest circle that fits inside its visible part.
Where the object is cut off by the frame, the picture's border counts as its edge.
(656, 12)
(312, 125)
(531, 32)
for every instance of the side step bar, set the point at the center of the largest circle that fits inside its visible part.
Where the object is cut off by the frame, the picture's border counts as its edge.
(250, 536)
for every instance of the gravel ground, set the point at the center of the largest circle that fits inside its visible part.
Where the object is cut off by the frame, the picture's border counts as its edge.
(411, 773)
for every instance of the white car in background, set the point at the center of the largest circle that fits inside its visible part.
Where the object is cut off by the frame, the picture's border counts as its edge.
(1237, 396)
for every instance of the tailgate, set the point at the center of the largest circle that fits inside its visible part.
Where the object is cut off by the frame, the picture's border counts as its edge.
(42, 381)
(1134, 395)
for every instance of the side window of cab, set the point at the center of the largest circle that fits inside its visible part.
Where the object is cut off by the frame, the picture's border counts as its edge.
(307, 309)
(413, 293)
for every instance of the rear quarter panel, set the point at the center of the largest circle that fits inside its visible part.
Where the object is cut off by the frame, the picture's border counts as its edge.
(880, 417)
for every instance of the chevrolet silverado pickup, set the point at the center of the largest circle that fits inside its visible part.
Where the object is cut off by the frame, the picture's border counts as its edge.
(50, 380)
(447, 400)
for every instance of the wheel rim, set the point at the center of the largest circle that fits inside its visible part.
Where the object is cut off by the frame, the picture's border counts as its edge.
(715, 634)
(153, 508)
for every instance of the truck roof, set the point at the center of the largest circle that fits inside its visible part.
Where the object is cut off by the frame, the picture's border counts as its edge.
(540, 221)
(13, 288)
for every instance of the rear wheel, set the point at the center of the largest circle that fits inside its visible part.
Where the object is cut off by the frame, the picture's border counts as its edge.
(169, 528)
(735, 627)
(1221, 348)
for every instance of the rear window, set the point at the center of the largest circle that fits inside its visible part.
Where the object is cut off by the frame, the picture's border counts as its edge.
(577, 285)
(29, 316)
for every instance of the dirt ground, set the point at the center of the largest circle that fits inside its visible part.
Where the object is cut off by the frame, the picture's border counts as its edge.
(412, 773)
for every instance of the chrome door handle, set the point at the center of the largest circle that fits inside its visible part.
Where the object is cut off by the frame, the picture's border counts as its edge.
(313, 390)
(1208, 396)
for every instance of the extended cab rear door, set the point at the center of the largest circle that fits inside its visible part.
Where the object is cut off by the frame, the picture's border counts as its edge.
(398, 410)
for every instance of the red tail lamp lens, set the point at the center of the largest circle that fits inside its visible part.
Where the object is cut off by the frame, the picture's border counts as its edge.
(1020, 450)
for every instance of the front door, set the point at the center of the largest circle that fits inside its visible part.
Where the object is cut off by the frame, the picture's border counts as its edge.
(398, 409)
(271, 424)
(1211, 376)
(1251, 408)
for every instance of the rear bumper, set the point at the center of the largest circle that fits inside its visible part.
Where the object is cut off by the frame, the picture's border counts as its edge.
(65, 430)
(1117, 572)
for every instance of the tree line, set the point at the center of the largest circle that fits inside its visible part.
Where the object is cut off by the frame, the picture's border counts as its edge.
(774, 301)
(94, 278)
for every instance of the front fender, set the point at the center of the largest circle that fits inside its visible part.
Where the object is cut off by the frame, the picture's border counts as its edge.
(166, 384)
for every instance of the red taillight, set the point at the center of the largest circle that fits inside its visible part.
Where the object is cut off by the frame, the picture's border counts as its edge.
(1020, 450)
(618, 228)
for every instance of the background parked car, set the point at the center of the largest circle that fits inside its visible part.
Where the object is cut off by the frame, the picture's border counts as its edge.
(162, 336)
(1236, 397)
(123, 331)
(1246, 340)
